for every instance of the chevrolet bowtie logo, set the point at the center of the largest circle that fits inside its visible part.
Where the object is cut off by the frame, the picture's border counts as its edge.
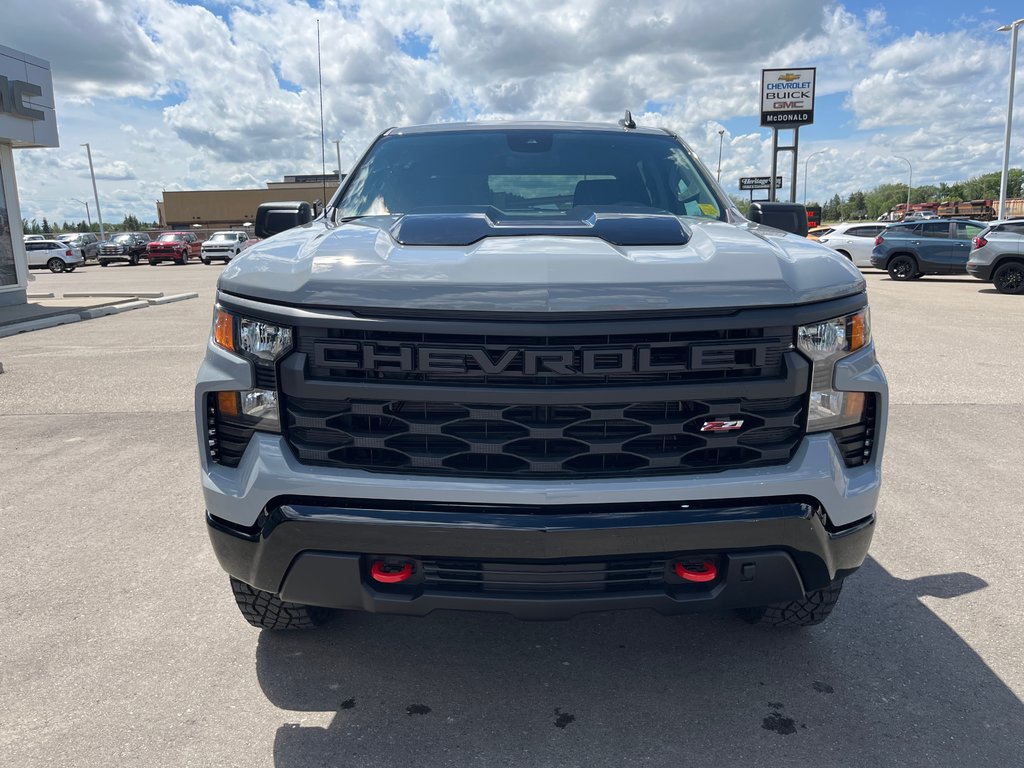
(789, 77)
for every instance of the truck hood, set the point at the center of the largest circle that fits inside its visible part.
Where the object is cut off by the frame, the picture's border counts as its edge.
(361, 264)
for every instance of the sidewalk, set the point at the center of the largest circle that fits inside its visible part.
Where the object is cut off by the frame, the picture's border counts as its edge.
(48, 310)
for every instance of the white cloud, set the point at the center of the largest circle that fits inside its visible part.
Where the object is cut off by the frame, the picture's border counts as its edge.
(172, 95)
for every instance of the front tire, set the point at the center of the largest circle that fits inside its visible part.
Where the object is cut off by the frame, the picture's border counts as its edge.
(104, 263)
(183, 259)
(1009, 278)
(267, 611)
(903, 268)
(812, 609)
(133, 260)
(153, 263)
(55, 265)
(206, 261)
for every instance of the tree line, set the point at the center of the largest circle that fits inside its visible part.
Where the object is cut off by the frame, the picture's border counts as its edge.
(885, 197)
(129, 224)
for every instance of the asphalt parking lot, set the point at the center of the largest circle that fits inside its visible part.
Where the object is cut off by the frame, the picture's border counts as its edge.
(122, 644)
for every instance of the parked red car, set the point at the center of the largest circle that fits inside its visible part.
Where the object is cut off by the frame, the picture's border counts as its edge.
(178, 247)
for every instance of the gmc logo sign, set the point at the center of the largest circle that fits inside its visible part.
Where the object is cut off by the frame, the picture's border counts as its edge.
(526, 361)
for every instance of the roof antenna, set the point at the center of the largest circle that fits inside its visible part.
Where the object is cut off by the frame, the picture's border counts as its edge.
(627, 121)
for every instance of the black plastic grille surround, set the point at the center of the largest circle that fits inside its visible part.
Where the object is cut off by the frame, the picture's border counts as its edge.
(619, 575)
(462, 398)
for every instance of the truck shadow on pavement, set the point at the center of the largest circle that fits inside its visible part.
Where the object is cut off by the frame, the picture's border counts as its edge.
(883, 682)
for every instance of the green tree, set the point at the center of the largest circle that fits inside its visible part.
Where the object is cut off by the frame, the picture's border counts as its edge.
(131, 224)
(46, 226)
(35, 227)
(742, 203)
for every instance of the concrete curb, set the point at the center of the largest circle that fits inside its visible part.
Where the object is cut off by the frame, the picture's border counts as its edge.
(38, 325)
(113, 294)
(40, 296)
(172, 298)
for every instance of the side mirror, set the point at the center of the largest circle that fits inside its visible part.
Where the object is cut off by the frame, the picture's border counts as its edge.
(789, 217)
(272, 218)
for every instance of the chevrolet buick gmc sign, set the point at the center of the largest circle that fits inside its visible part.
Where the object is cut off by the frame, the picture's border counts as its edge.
(27, 116)
(787, 97)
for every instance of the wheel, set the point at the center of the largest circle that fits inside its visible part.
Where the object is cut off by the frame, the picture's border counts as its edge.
(55, 265)
(184, 258)
(266, 611)
(133, 260)
(152, 263)
(806, 612)
(104, 263)
(902, 268)
(1009, 278)
(206, 261)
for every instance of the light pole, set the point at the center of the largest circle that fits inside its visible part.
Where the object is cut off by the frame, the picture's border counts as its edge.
(721, 138)
(87, 216)
(337, 148)
(95, 194)
(1012, 29)
(806, 163)
(910, 181)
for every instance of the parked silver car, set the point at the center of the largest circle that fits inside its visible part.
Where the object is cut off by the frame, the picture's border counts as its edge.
(854, 240)
(52, 254)
(997, 256)
(86, 244)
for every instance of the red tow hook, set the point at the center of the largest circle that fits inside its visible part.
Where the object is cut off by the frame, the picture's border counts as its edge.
(696, 570)
(390, 573)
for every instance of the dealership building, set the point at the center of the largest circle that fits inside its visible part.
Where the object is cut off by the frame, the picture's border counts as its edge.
(27, 119)
(231, 208)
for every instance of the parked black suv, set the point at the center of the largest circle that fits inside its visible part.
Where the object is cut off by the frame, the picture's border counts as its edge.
(912, 249)
(127, 246)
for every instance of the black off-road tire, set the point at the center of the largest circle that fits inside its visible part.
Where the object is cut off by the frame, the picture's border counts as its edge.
(1009, 278)
(266, 611)
(806, 612)
(903, 268)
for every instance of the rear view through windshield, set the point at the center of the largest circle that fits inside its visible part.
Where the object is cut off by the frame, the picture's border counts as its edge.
(528, 173)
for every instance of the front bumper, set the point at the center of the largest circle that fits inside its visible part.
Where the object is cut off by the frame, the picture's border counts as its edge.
(313, 552)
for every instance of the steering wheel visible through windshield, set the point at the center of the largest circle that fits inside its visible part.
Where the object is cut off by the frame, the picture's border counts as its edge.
(528, 173)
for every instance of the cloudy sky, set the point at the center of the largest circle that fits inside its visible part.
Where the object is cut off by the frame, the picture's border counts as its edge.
(210, 95)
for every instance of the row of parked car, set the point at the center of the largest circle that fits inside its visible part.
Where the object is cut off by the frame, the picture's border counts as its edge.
(64, 253)
(911, 249)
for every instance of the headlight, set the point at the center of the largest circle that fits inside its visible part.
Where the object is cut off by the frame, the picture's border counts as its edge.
(826, 343)
(252, 338)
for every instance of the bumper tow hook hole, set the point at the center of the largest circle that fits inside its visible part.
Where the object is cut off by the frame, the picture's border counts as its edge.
(390, 573)
(698, 571)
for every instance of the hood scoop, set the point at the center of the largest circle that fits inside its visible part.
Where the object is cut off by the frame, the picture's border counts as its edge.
(645, 226)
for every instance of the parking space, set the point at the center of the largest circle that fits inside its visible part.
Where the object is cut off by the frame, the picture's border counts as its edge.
(123, 645)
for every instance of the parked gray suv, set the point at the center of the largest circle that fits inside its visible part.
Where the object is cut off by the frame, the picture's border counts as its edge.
(998, 256)
(541, 369)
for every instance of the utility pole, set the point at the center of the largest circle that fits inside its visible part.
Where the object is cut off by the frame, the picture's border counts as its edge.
(721, 137)
(95, 194)
(1012, 29)
(87, 216)
(337, 147)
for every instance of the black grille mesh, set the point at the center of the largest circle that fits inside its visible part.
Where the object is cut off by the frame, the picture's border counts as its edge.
(519, 578)
(553, 440)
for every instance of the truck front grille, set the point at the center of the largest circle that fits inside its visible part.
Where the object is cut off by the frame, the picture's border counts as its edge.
(535, 578)
(574, 399)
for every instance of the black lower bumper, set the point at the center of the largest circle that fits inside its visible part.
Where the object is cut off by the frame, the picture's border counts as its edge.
(980, 271)
(564, 560)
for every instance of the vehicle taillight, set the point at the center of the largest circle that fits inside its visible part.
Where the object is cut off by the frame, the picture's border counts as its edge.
(879, 240)
(980, 242)
(68, 253)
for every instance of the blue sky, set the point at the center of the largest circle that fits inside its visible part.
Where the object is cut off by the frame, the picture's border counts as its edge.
(207, 95)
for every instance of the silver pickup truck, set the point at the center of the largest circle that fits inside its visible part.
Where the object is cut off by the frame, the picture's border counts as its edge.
(541, 369)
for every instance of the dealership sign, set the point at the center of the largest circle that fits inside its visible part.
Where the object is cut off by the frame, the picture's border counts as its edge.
(787, 97)
(759, 182)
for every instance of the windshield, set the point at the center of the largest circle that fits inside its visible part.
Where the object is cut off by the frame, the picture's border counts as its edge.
(222, 236)
(169, 238)
(528, 173)
(122, 238)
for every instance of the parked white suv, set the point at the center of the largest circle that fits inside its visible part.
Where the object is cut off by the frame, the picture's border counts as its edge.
(854, 240)
(52, 254)
(224, 245)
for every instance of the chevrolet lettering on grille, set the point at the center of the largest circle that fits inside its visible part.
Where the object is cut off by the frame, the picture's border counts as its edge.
(527, 361)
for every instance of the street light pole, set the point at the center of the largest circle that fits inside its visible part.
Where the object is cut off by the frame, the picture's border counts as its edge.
(806, 163)
(87, 216)
(95, 194)
(337, 148)
(1012, 29)
(910, 181)
(721, 138)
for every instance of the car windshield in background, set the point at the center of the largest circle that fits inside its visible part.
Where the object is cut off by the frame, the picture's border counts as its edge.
(169, 238)
(528, 173)
(122, 238)
(223, 237)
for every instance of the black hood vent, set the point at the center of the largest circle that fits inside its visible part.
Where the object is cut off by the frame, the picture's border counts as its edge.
(645, 226)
